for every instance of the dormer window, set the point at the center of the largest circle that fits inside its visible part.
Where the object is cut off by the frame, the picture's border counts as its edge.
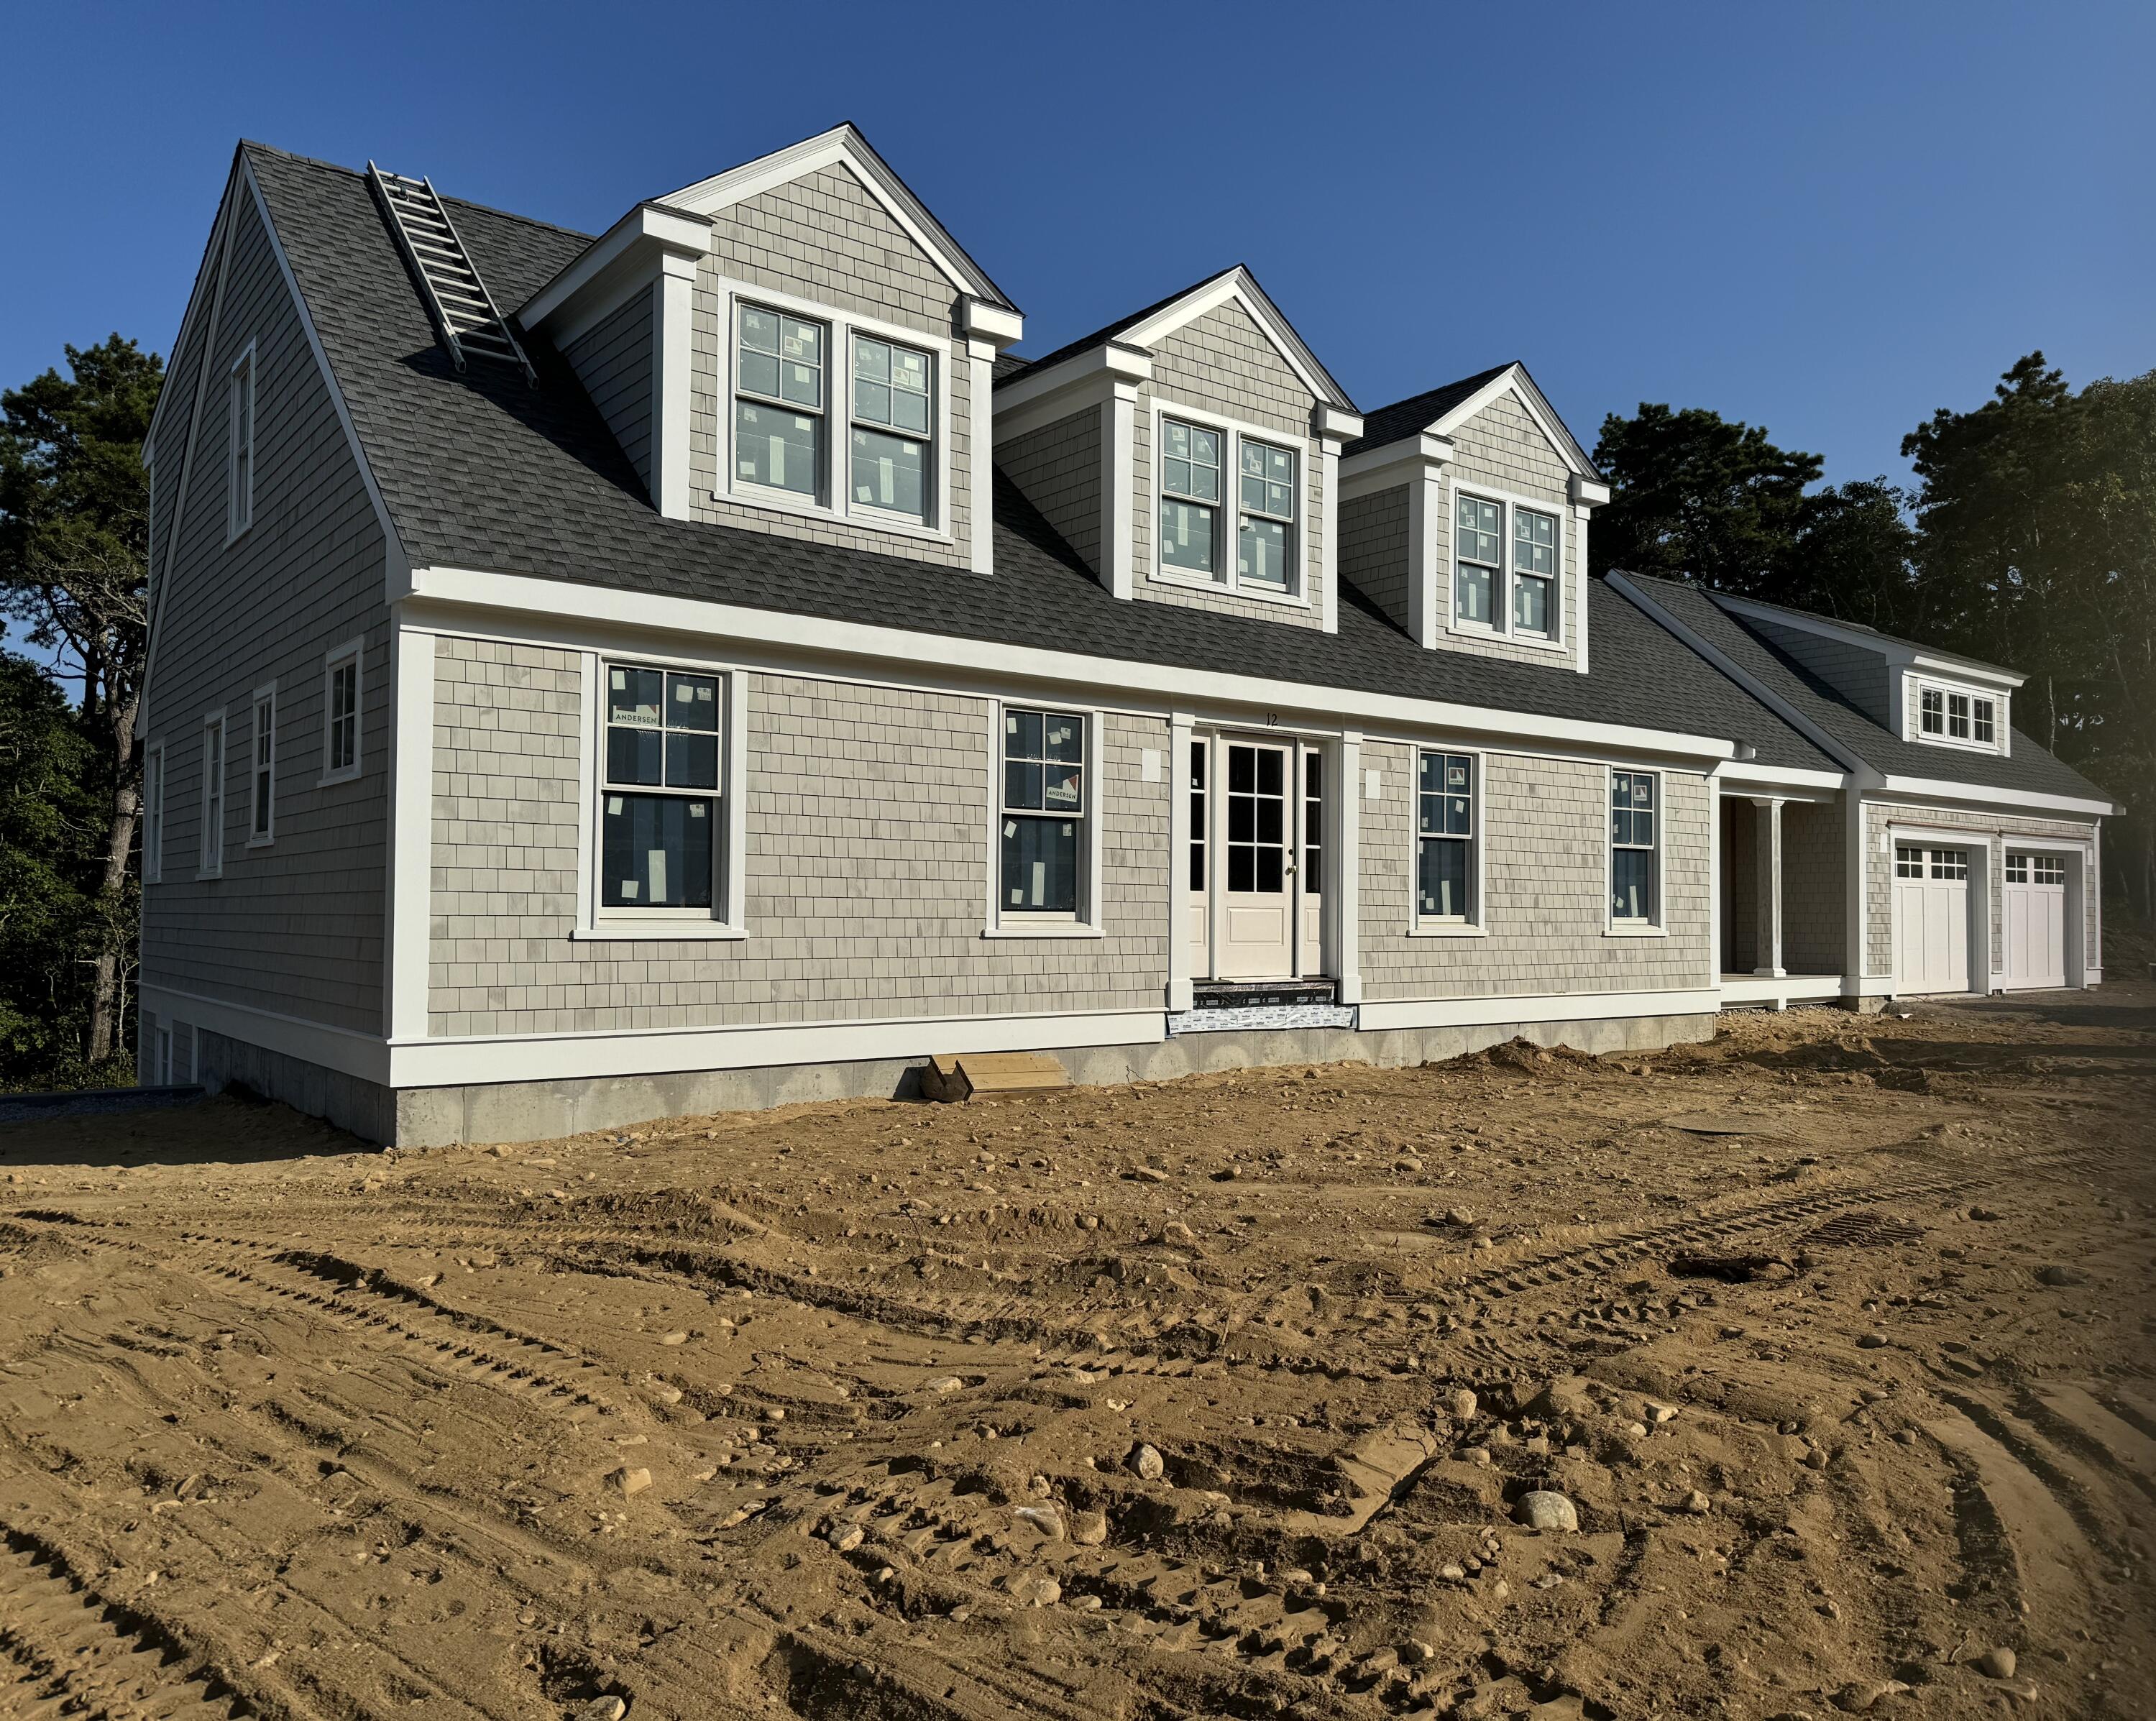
(779, 403)
(1968, 719)
(1190, 498)
(891, 458)
(1265, 543)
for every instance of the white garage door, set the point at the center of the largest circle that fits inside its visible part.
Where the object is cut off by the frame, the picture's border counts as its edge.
(1931, 920)
(2036, 911)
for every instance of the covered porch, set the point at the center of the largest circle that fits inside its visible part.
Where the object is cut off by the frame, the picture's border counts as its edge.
(1784, 896)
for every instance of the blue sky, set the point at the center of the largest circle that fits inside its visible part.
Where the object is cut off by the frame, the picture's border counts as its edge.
(1829, 218)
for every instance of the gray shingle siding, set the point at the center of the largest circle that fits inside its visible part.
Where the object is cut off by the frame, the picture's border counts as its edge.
(1376, 549)
(867, 865)
(1058, 468)
(612, 359)
(1544, 829)
(296, 927)
(1814, 888)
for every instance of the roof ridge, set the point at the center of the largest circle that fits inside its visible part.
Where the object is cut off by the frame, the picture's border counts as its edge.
(1406, 400)
(271, 149)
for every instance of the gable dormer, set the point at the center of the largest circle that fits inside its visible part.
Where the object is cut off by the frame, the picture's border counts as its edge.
(795, 346)
(1188, 453)
(1464, 516)
(1934, 698)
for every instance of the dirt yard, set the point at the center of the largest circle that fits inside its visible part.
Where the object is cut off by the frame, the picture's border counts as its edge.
(1230, 1397)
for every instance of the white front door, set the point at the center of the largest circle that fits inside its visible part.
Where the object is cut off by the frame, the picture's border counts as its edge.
(1931, 920)
(2035, 907)
(1253, 803)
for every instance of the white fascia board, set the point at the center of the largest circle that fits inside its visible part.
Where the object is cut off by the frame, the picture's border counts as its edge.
(1486, 1010)
(525, 595)
(1515, 382)
(987, 321)
(1744, 678)
(1335, 422)
(1111, 361)
(625, 254)
(843, 144)
(550, 1057)
(1928, 789)
(1239, 285)
(1392, 463)
(1744, 774)
(349, 1053)
(198, 295)
(1589, 492)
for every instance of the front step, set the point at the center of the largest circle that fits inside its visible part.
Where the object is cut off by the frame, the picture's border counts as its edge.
(1260, 995)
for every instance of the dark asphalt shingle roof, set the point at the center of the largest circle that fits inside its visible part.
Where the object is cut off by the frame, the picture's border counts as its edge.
(1408, 418)
(482, 471)
(1010, 364)
(2029, 768)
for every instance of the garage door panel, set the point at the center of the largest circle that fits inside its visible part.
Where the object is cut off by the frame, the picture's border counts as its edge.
(2033, 908)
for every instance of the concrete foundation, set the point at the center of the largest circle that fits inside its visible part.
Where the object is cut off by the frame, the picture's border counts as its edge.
(533, 1111)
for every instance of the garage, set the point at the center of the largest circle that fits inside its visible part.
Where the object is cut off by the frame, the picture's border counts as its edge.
(1931, 920)
(2035, 910)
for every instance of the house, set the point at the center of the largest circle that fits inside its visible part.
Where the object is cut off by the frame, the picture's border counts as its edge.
(706, 665)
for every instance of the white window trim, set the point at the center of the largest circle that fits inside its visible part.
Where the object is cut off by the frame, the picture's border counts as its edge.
(1658, 925)
(727, 919)
(1419, 926)
(834, 505)
(263, 697)
(153, 813)
(2001, 715)
(1087, 923)
(352, 652)
(238, 508)
(206, 864)
(1234, 432)
(1561, 586)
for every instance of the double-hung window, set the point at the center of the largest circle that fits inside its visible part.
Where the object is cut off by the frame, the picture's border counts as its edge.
(778, 402)
(240, 444)
(892, 456)
(340, 715)
(1265, 552)
(658, 806)
(1044, 812)
(1632, 847)
(262, 779)
(1190, 499)
(153, 813)
(1534, 572)
(213, 794)
(1479, 581)
(1444, 838)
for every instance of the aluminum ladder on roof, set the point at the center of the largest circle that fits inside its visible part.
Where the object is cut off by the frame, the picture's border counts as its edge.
(468, 322)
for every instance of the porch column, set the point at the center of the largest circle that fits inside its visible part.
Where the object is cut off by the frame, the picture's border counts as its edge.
(1341, 906)
(1766, 848)
(1179, 725)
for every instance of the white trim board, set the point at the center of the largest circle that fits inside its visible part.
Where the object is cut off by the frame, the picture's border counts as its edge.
(570, 602)
(1239, 285)
(344, 1050)
(1980, 796)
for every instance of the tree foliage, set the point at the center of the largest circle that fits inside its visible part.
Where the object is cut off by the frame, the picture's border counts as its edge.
(74, 577)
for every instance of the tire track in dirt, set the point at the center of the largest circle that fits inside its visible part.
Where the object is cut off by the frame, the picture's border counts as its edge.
(72, 1652)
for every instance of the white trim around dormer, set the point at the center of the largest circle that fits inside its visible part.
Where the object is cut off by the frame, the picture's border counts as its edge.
(844, 145)
(613, 266)
(1906, 688)
(1239, 285)
(836, 503)
(1514, 380)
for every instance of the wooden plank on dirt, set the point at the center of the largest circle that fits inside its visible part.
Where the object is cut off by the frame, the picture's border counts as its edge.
(993, 1073)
